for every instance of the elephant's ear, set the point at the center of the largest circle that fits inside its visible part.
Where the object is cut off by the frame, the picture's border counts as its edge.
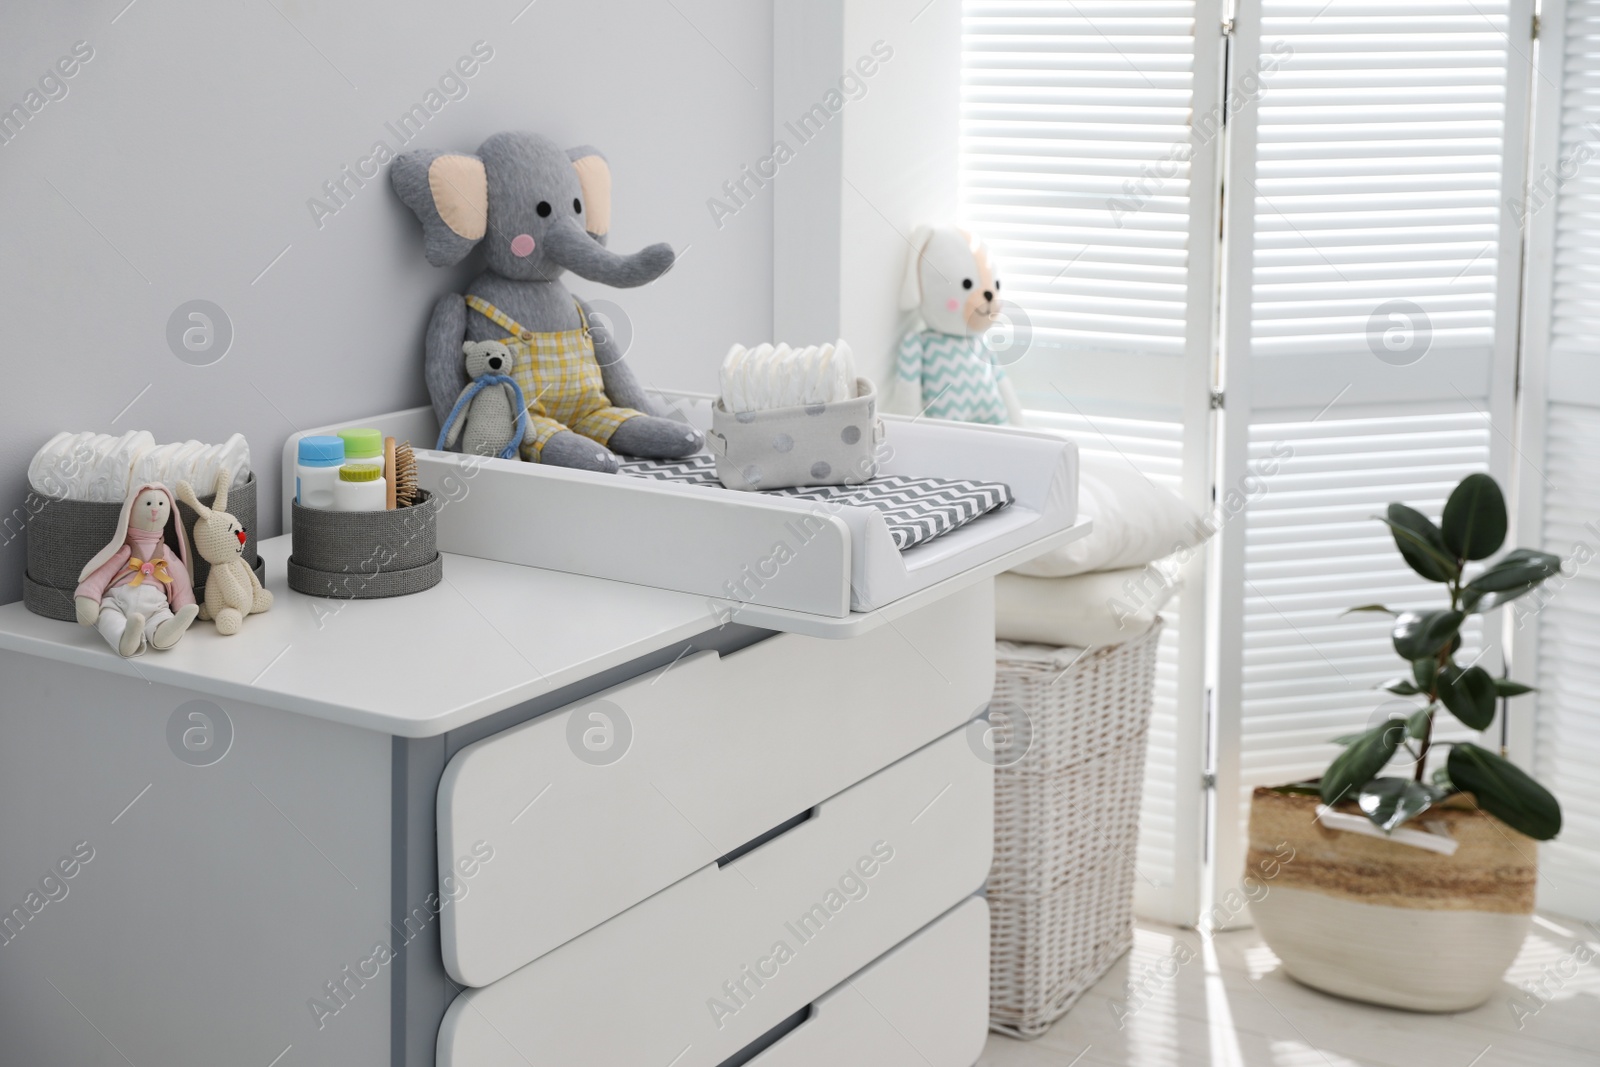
(594, 174)
(450, 194)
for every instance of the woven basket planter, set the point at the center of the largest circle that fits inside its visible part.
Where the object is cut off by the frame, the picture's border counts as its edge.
(1066, 820)
(366, 555)
(63, 535)
(1384, 922)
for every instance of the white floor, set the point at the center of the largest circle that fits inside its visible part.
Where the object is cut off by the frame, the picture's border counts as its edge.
(1181, 999)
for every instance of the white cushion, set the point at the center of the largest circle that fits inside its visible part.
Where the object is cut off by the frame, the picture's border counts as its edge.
(1135, 522)
(1085, 610)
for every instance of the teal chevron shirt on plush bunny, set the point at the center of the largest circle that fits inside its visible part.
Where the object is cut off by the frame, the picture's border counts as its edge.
(945, 370)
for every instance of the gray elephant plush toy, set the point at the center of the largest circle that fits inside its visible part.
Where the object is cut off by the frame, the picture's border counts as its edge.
(538, 211)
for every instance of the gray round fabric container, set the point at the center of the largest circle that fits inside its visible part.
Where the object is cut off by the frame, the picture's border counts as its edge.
(63, 535)
(366, 555)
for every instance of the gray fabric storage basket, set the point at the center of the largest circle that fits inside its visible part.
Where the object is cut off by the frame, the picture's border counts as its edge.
(63, 535)
(366, 555)
(817, 444)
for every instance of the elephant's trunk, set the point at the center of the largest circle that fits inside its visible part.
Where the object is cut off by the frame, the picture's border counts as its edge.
(572, 247)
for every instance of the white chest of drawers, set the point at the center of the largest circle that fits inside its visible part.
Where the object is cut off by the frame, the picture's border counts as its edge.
(267, 815)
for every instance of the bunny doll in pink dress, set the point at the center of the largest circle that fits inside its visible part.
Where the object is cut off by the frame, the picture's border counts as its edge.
(136, 590)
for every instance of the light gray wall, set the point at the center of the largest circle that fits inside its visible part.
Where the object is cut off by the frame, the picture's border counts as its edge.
(179, 164)
(888, 72)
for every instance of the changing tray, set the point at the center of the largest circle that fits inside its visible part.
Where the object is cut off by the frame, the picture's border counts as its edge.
(781, 563)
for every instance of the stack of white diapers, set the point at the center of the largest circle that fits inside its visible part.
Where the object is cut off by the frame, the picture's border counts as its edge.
(777, 376)
(1109, 586)
(102, 468)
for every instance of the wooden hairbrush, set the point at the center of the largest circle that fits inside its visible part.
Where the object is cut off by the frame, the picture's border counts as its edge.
(388, 467)
(405, 475)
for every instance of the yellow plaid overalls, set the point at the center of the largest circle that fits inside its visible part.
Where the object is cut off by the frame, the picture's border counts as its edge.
(560, 378)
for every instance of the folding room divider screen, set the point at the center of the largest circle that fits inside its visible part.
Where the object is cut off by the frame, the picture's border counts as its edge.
(1339, 262)
(1556, 635)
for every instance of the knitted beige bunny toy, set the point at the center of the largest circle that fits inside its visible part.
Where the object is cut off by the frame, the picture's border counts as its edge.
(232, 591)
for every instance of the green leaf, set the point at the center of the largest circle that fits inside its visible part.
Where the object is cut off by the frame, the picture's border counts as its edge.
(1400, 687)
(1474, 520)
(1297, 788)
(1441, 781)
(1518, 572)
(1419, 634)
(1347, 739)
(1390, 802)
(1361, 761)
(1505, 791)
(1469, 694)
(1380, 608)
(1424, 671)
(1505, 687)
(1417, 722)
(1420, 543)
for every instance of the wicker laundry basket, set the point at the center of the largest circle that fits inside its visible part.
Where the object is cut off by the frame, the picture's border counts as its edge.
(1066, 822)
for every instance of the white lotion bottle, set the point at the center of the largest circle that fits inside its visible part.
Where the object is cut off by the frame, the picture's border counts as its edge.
(316, 471)
(361, 487)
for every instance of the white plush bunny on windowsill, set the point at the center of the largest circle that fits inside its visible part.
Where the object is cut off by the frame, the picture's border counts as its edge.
(945, 370)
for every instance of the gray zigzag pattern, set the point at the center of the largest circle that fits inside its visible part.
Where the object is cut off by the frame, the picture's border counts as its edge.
(916, 510)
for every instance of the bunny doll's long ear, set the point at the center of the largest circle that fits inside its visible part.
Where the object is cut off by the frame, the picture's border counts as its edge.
(224, 480)
(450, 194)
(911, 287)
(594, 175)
(185, 493)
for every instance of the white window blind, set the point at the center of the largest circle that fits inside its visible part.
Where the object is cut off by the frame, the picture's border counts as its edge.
(1312, 550)
(1556, 632)
(1088, 162)
(1369, 307)
(1075, 163)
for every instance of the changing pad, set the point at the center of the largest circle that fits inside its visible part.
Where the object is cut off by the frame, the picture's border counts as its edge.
(916, 510)
(789, 561)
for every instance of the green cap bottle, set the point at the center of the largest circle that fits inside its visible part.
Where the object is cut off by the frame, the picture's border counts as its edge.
(362, 443)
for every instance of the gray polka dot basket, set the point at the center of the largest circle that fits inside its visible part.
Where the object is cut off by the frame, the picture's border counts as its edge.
(817, 444)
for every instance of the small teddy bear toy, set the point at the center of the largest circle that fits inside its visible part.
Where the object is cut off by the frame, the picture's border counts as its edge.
(945, 370)
(490, 416)
(232, 590)
(136, 591)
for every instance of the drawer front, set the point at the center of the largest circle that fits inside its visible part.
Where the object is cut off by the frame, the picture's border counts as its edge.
(925, 1004)
(705, 967)
(591, 809)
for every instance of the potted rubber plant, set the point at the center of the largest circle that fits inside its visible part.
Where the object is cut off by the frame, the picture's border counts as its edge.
(1413, 886)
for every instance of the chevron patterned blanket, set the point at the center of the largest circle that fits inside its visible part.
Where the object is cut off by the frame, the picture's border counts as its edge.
(917, 510)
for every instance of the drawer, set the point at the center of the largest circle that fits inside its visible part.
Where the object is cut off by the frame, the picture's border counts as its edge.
(925, 1004)
(591, 809)
(703, 968)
